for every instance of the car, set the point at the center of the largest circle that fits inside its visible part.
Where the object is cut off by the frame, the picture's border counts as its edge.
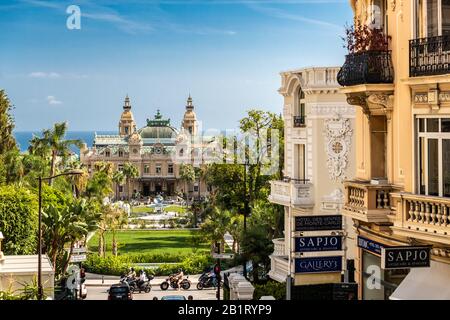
(174, 297)
(120, 291)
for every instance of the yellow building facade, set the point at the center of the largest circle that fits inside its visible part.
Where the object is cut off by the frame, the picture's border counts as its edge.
(401, 192)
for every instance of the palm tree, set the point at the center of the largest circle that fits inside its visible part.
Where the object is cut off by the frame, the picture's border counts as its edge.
(53, 142)
(187, 174)
(116, 218)
(216, 226)
(78, 181)
(118, 178)
(130, 171)
(99, 185)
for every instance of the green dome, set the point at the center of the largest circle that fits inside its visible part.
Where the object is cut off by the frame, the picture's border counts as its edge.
(164, 132)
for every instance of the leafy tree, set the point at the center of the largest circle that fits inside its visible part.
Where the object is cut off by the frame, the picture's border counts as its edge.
(187, 174)
(78, 181)
(10, 168)
(118, 178)
(53, 144)
(100, 184)
(7, 140)
(115, 218)
(256, 247)
(216, 226)
(18, 220)
(130, 171)
(63, 226)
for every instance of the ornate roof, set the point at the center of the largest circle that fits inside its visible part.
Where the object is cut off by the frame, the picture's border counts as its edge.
(158, 128)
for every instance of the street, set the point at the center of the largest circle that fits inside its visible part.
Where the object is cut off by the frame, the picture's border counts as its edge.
(100, 293)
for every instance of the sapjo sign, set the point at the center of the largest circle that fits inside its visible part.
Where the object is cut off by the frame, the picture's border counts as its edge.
(318, 243)
(318, 264)
(405, 257)
(318, 223)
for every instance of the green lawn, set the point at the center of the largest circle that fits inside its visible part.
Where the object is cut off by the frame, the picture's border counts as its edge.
(175, 208)
(152, 241)
(142, 209)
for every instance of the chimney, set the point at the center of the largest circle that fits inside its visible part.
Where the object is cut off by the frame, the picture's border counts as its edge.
(2, 257)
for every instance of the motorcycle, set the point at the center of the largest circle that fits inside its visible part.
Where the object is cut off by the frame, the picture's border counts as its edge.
(136, 286)
(207, 280)
(171, 281)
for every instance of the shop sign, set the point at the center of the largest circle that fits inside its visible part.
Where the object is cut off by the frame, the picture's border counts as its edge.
(318, 264)
(318, 223)
(405, 257)
(369, 245)
(319, 243)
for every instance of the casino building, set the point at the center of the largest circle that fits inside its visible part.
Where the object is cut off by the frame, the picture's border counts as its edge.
(317, 248)
(400, 197)
(157, 150)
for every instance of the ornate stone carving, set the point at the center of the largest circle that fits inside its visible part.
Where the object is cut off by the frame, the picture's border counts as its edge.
(337, 135)
(393, 4)
(324, 110)
(372, 102)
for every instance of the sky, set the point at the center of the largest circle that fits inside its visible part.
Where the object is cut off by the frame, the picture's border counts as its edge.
(226, 53)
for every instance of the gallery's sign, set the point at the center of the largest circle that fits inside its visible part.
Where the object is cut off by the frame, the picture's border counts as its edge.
(318, 264)
(369, 245)
(318, 223)
(405, 257)
(319, 243)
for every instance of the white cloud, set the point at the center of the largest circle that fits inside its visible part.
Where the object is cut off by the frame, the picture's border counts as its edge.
(44, 75)
(53, 101)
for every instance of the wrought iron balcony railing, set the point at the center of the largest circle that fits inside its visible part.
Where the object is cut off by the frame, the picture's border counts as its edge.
(369, 67)
(299, 121)
(429, 56)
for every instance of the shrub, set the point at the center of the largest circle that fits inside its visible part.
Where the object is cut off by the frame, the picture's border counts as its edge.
(18, 220)
(112, 265)
(270, 288)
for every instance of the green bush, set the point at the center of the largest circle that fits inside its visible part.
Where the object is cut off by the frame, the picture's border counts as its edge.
(18, 220)
(111, 265)
(270, 288)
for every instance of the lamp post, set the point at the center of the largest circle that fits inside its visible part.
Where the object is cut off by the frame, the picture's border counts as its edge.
(68, 173)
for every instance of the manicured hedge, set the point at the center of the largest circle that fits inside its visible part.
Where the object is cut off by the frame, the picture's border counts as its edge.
(111, 265)
(270, 288)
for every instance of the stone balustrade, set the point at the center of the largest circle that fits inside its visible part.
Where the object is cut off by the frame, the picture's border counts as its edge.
(367, 202)
(240, 288)
(279, 248)
(292, 193)
(420, 216)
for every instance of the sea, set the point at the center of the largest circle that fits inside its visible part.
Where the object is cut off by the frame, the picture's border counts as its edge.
(23, 137)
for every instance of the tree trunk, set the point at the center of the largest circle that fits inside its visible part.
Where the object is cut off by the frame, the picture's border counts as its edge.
(52, 167)
(66, 265)
(114, 243)
(100, 244)
(255, 273)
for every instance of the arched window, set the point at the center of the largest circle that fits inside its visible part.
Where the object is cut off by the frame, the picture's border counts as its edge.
(299, 112)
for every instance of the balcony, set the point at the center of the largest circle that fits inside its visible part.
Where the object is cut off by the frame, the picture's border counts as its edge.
(369, 67)
(429, 56)
(421, 217)
(299, 121)
(367, 202)
(279, 247)
(292, 192)
(279, 264)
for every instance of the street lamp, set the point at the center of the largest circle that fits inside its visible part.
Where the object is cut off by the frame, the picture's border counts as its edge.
(68, 173)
